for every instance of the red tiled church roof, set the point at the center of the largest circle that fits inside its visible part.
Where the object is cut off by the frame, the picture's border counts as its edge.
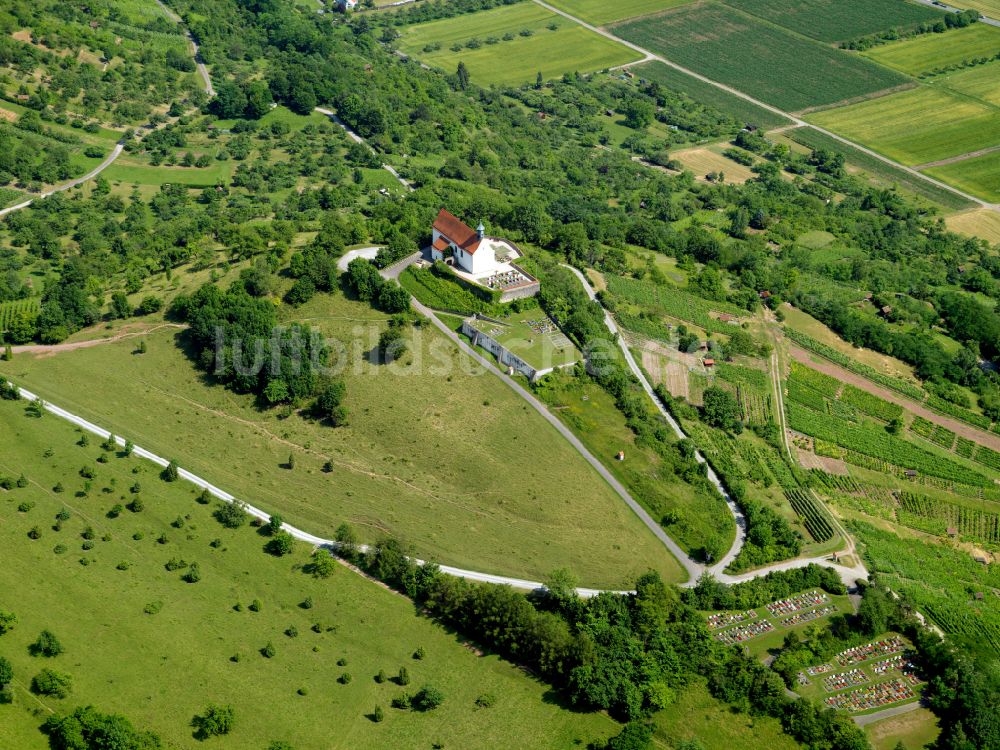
(441, 244)
(457, 231)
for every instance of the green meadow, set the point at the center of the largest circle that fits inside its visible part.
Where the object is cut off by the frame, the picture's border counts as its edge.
(979, 175)
(436, 454)
(141, 641)
(566, 48)
(929, 52)
(981, 82)
(916, 126)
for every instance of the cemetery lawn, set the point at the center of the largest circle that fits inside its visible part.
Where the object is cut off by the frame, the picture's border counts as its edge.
(161, 669)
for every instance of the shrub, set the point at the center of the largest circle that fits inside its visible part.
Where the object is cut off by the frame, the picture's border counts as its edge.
(268, 651)
(216, 721)
(193, 574)
(231, 515)
(51, 683)
(345, 678)
(428, 698)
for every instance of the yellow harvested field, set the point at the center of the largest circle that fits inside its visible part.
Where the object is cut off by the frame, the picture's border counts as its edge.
(982, 223)
(703, 161)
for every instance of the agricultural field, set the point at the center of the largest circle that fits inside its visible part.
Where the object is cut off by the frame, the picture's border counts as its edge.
(840, 21)
(769, 63)
(981, 82)
(917, 126)
(96, 559)
(732, 105)
(982, 223)
(933, 52)
(601, 12)
(510, 45)
(989, 8)
(394, 470)
(979, 175)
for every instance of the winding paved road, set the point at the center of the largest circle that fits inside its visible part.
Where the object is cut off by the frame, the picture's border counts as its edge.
(358, 139)
(108, 161)
(195, 49)
(734, 509)
(650, 56)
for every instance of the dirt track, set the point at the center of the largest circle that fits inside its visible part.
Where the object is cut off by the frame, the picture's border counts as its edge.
(125, 333)
(846, 376)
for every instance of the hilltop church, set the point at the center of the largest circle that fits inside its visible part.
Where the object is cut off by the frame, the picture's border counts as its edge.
(471, 250)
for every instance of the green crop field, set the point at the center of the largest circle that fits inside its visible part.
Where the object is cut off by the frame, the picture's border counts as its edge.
(769, 63)
(445, 458)
(934, 51)
(979, 175)
(722, 100)
(161, 669)
(833, 22)
(917, 126)
(600, 12)
(566, 49)
(981, 82)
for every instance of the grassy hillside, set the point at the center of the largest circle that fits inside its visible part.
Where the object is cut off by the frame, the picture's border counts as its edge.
(446, 459)
(161, 669)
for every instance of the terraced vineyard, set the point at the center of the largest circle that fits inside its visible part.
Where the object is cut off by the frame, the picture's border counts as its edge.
(937, 516)
(871, 405)
(814, 518)
(10, 311)
(880, 446)
(673, 302)
(933, 432)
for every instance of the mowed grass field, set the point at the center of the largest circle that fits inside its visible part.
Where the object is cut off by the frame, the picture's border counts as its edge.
(567, 49)
(732, 105)
(981, 82)
(697, 716)
(979, 175)
(161, 669)
(917, 126)
(915, 729)
(983, 223)
(933, 51)
(834, 22)
(600, 12)
(765, 61)
(435, 453)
